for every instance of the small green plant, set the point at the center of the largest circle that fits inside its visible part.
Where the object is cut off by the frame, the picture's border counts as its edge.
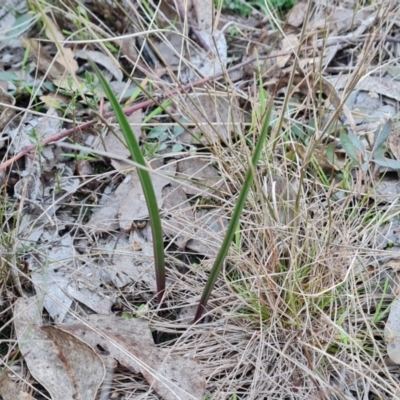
(237, 6)
(359, 155)
(243, 7)
(145, 180)
(152, 205)
(232, 228)
(165, 137)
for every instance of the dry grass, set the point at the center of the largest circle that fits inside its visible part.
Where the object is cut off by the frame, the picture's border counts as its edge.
(299, 311)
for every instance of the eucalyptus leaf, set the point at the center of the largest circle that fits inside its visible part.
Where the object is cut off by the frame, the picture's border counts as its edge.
(178, 129)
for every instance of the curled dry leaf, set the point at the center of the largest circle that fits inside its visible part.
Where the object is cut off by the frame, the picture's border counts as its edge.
(65, 56)
(54, 68)
(60, 362)
(130, 342)
(44, 60)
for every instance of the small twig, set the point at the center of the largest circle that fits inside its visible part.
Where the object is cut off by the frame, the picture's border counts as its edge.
(143, 104)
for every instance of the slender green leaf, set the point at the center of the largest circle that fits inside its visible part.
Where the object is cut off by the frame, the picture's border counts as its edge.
(9, 76)
(381, 135)
(234, 220)
(21, 25)
(348, 146)
(388, 163)
(298, 131)
(145, 181)
(379, 153)
(357, 142)
(157, 111)
(330, 154)
(364, 166)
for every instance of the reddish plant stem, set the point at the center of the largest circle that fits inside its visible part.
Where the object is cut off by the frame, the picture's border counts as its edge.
(143, 104)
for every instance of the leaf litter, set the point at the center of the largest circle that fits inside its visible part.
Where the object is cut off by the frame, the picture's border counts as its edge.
(93, 246)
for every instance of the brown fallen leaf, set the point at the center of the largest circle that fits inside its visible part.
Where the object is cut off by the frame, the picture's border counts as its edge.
(297, 14)
(178, 223)
(210, 231)
(133, 207)
(215, 117)
(55, 100)
(198, 176)
(65, 57)
(289, 42)
(385, 86)
(129, 341)
(46, 63)
(63, 364)
(114, 142)
(10, 389)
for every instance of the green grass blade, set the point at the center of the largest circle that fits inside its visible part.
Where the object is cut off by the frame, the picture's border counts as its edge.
(145, 180)
(216, 269)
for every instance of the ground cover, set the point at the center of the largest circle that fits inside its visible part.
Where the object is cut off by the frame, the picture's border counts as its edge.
(133, 133)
